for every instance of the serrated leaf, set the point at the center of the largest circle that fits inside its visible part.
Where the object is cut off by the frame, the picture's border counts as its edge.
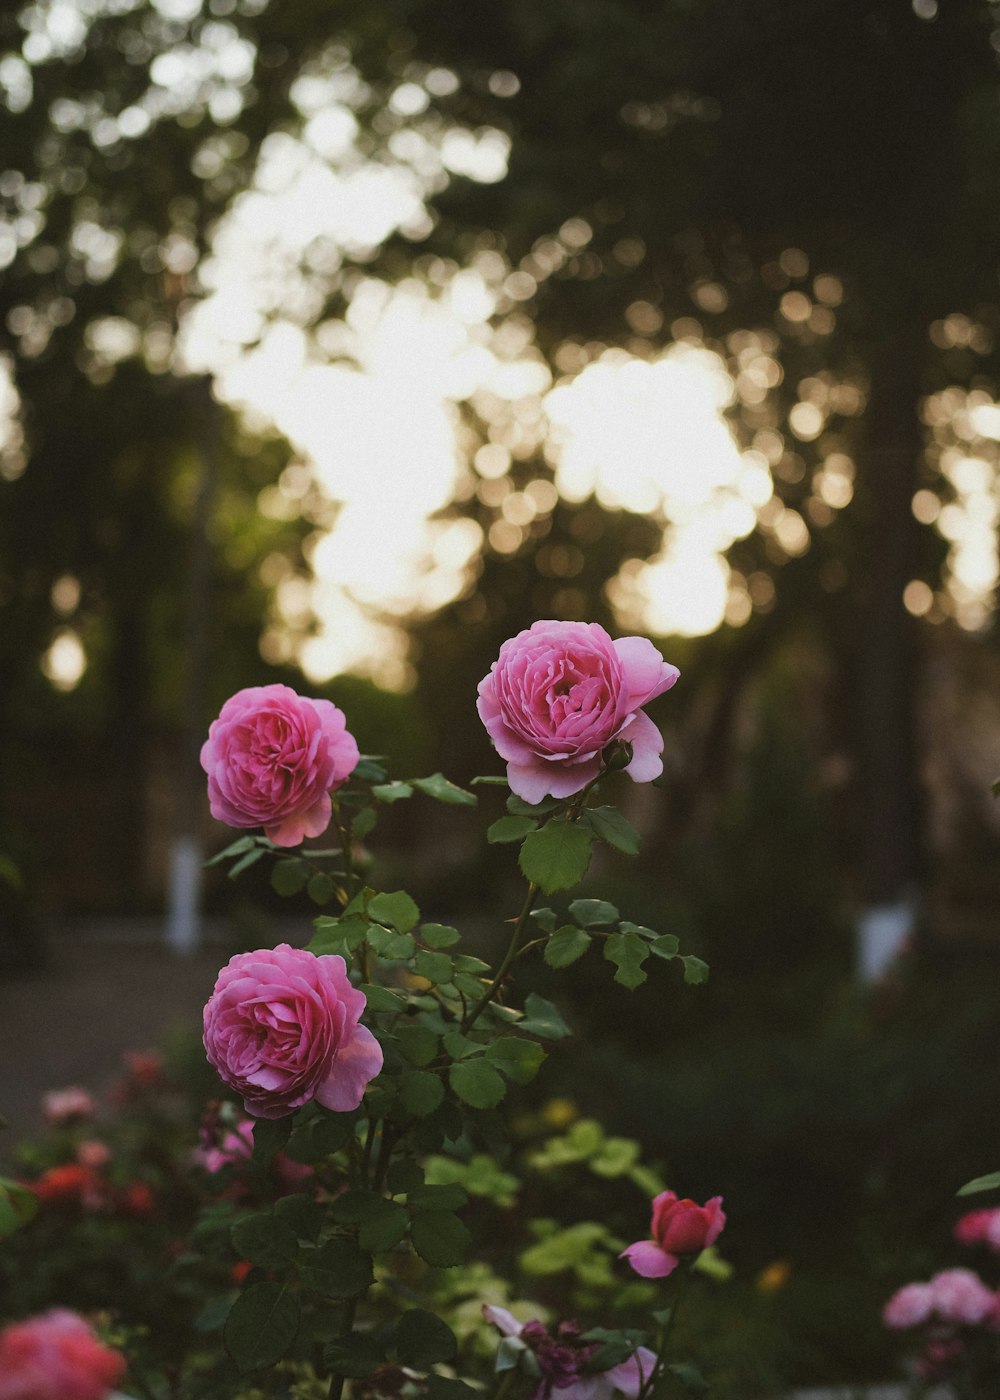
(392, 792)
(510, 828)
(265, 1240)
(440, 1238)
(269, 1137)
(439, 935)
(593, 913)
(556, 856)
(251, 858)
(436, 967)
(341, 935)
(477, 1083)
(289, 876)
(338, 1269)
(438, 787)
(369, 768)
(364, 823)
(389, 944)
(261, 1326)
(396, 909)
(357, 1355)
(460, 1047)
(381, 998)
(542, 1018)
(695, 971)
(446, 1196)
(385, 1228)
(566, 945)
(488, 780)
(420, 1093)
(519, 1059)
(421, 1339)
(519, 808)
(235, 848)
(609, 824)
(980, 1183)
(320, 888)
(301, 1213)
(628, 952)
(418, 1043)
(667, 946)
(545, 919)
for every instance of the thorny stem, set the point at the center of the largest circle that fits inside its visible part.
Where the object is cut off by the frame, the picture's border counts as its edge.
(346, 1328)
(471, 1017)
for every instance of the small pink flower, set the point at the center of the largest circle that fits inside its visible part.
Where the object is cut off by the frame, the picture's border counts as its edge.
(975, 1227)
(679, 1227)
(272, 758)
(960, 1296)
(93, 1154)
(562, 1358)
(56, 1356)
(559, 693)
(63, 1106)
(236, 1146)
(281, 1029)
(909, 1306)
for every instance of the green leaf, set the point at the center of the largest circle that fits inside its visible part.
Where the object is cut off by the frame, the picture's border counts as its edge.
(420, 1093)
(689, 1376)
(341, 935)
(421, 1339)
(695, 971)
(439, 935)
(593, 913)
(355, 1356)
(396, 909)
(289, 876)
(519, 808)
(545, 919)
(566, 945)
(381, 998)
(355, 1206)
(269, 1137)
(628, 952)
(488, 780)
(609, 824)
(251, 858)
(438, 787)
(369, 768)
(261, 1326)
(667, 946)
(519, 1059)
(616, 1347)
(301, 1213)
(506, 829)
(418, 1043)
(460, 1047)
(446, 1196)
(477, 1083)
(556, 856)
(338, 1269)
(332, 1131)
(440, 1238)
(364, 823)
(404, 1175)
(265, 1240)
(392, 792)
(388, 944)
(542, 1018)
(385, 1228)
(236, 848)
(18, 1205)
(436, 967)
(981, 1183)
(320, 888)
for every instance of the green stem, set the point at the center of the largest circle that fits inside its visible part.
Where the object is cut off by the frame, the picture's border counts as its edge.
(652, 1380)
(471, 1017)
(346, 1328)
(505, 1384)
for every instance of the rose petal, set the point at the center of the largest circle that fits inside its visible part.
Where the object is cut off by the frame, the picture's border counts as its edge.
(649, 1260)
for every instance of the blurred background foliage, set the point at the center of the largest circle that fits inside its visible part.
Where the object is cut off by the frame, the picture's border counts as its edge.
(783, 214)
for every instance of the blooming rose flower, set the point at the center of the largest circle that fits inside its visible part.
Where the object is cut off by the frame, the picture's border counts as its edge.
(272, 759)
(560, 693)
(56, 1356)
(236, 1147)
(62, 1106)
(562, 1360)
(678, 1228)
(959, 1295)
(281, 1028)
(909, 1306)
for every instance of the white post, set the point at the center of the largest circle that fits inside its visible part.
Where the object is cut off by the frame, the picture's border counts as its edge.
(183, 920)
(883, 933)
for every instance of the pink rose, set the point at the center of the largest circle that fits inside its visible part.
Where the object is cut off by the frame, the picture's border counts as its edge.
(909, 1306)
(56, 1356)
(678, 1228)
(561, 1358)
(281, 1028)
(959, 1295)
(62, 1106)
(560, 693)
(273, 758)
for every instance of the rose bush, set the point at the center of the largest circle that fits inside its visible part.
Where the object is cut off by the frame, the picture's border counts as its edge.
(282, 1028)
(559, 693)
(568, 1361)
(272, 760)
(56, 1356)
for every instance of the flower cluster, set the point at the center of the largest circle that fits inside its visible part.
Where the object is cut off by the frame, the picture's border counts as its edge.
(955, 1296)
(56, 1356)
(564, 1360)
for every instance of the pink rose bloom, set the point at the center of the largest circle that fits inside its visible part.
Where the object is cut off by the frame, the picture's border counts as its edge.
(281, 1028)
(560, 693)
(236, 1146)
(562, 1357)
(56, 1356)
(909, 1306)
(960, 1296)
(971, 1229)
(62, 1106)
(678, 1228)
(273, 758)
